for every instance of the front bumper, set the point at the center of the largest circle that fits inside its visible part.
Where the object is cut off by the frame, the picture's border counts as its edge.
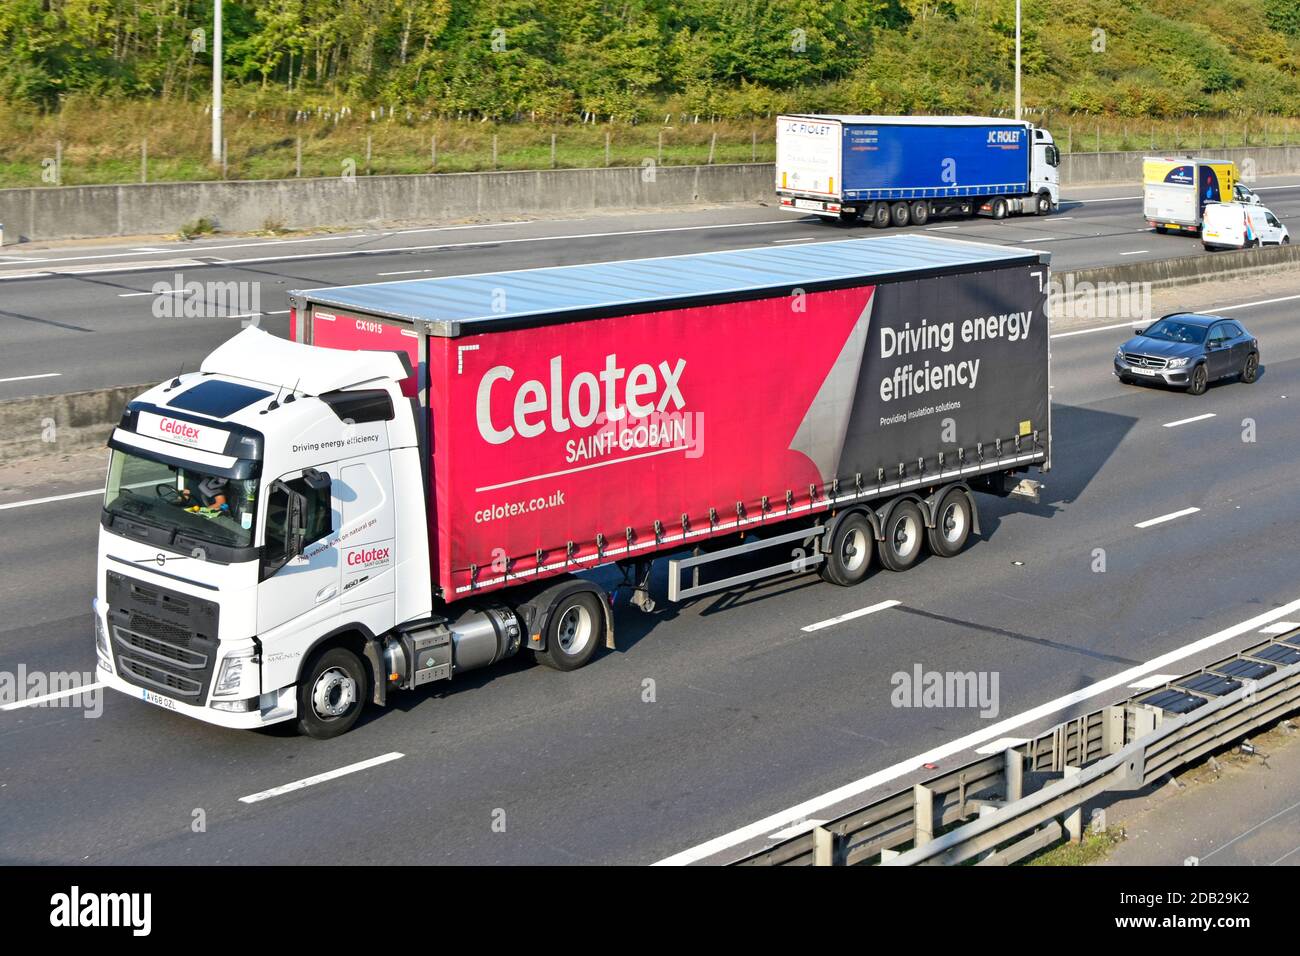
(273, 708)
(1176, 377)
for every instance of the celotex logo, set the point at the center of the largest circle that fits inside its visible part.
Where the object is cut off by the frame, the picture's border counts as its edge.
(181, 431)
(367, 556)
(613, 392)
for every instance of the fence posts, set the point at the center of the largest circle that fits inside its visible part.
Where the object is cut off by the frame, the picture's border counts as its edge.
(552, 151)
(368, 144)
(494, 150)
(713, 143)
(297, 158)
(144, 160)
(606, 149)
(923, 797)
(58, 162)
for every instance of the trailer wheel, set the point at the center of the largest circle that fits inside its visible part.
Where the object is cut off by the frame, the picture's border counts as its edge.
(880, 215)
(952, 524)
(899, 214)
(920, 213)
(573, 632)
(998, 207)
(904, 529)
(331, 694)
(849, 551)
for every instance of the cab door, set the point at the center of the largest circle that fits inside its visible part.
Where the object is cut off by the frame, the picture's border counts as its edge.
(367, 541)
(301, 588)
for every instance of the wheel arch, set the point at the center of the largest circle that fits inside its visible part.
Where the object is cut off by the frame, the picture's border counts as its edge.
(535, 612)
(931, 505)
(358, 639)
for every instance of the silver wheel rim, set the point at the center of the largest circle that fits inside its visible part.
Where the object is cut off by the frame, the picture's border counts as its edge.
(853, 551)
(953, 524)
(333, 694)
(904, 536)
(574, 630)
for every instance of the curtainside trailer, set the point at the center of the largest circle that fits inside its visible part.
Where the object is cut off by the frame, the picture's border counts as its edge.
(422, 480)
(901, 170)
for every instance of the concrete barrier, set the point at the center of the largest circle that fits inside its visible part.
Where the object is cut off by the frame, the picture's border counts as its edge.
(71, 212)
(30, 427)
(55, 424)
(162, 208)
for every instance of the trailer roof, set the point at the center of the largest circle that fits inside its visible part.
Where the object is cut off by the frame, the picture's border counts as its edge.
(872, 120)
(458, 305)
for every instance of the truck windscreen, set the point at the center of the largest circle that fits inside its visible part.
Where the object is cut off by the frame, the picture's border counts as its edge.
(186, 500)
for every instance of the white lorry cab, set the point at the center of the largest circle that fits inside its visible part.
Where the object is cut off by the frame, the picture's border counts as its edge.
(1236, 225)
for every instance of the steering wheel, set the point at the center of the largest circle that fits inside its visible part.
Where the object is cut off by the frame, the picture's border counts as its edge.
(167, 492)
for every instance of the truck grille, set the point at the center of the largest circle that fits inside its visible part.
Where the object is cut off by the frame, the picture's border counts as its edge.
(1145, 361)
(162, 639)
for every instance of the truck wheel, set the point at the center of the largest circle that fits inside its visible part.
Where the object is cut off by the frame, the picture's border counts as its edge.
(1044, 205)
(1200, 380)
(331, 694)
(952, 524)
(998, 208)
(573, 632)
(920, 213)
(880, 215)
(849, 551)
(903, 531)
(899, 214)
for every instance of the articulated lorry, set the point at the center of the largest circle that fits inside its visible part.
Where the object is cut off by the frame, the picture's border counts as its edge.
(896, 170)
(420, 482)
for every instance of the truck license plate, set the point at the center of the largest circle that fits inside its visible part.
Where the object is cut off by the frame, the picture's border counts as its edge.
(158, 699)
(808, 204)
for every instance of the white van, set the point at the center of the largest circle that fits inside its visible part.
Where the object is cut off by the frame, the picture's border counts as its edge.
(1234, 225)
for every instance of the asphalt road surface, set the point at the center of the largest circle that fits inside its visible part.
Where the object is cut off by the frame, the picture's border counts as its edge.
(77, 317)
(717, 722)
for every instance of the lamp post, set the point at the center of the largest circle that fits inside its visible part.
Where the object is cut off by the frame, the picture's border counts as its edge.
(1017, 59)
(216, 81)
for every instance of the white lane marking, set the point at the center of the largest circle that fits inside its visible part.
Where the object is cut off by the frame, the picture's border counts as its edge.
(852, 615)
(1151, 522)
(1135, 252)
(795, 830)
(1247, 305)
(1248, 832)
(1188, 421)
(941, 228)
(1100, 328)
(33, 701)
(1111, 199)
(404, 272)
(1001, 744)
(132, 295)
(1281, 627)
(320, 778)
(803, 811)
(26, 378)
(799, 239)
(1155, 680)
(1040, 239)
(43, 501)
(280, 312)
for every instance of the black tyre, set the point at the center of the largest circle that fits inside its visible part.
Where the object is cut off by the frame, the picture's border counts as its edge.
(332, 693)
(920, 213)
(900, 214)
(998, 208)
(1043, 206)
(952, 524)
(574, 631)
(1200, 380)
(848, 557)
(1250, 371)
(904, 532)
(880, 215)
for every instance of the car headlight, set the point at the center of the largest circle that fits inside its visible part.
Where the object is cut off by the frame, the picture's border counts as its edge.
(1119, 352)
(232, 672)
(1178, 362)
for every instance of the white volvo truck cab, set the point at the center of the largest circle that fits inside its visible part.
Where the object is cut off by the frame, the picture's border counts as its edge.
(264, 543)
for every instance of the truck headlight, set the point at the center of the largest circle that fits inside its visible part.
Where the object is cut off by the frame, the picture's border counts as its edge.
(1178, 362)
(101, 636)
(232, 672)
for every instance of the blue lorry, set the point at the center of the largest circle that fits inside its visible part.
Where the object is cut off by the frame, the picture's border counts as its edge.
(899, 170)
